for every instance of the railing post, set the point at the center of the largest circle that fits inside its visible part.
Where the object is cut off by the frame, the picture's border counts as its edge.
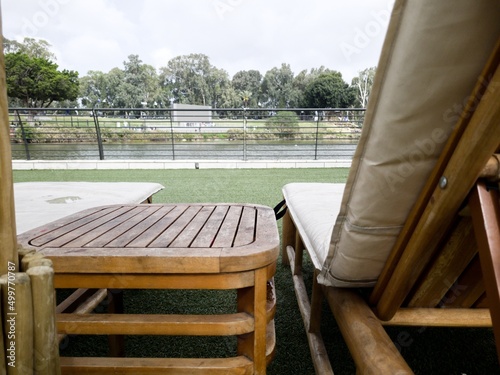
(172, 134)
(23, 135)
(244, 134)
(317, 136)
(98, 133)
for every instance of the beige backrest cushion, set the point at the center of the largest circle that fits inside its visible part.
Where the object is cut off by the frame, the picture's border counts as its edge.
(431, 59)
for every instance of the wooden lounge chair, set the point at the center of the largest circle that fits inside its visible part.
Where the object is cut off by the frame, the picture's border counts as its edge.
(413, 237)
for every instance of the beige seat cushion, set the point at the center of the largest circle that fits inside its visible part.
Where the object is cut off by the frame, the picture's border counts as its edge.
(38, 203)
(313, 208)
(432, 57)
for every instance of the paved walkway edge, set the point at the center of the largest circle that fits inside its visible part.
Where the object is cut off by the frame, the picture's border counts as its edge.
(175, 164)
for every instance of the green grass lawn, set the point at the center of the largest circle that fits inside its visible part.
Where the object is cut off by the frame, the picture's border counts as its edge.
(428, 350)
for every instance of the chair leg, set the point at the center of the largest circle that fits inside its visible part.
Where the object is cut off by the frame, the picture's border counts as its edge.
(299, 254)
(316, 305)
(288, 237)
(311, 319)
(485, 211)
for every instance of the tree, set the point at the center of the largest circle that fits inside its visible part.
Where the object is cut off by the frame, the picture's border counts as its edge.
(29, 46)
(191, 79)
(93, 88)
(277, 88)
(245, 97)
(115, 96)
(186, 76)
(37, 82)
(285, 124)
(229, 99)
(363, 84)
(218, 84)
(248, 84)
(302, 79)
(329, 90)
(141, 83)
(300, 83)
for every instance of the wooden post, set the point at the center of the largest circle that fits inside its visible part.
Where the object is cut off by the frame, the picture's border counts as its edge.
(40, 262)
(25, 260)
(18, 322)
(8, 245)
(45, 336)
(3, 364)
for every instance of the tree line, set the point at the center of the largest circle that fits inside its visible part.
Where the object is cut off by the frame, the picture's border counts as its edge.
(34, 80)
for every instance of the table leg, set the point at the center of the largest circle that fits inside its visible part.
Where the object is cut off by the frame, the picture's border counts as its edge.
(115, 306)
(252, 300)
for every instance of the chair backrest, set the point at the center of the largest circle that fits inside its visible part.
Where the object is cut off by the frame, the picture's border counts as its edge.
(434, 261)
(432, 59)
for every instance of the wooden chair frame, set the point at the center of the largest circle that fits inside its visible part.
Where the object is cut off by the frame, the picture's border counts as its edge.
(427, 254)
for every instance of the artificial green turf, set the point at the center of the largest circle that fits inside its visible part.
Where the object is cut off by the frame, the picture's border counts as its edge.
(200, 185)
(427, 350)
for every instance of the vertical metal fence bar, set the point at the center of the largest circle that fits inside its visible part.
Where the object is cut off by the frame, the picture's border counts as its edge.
(172, 134)
(98, 133)
(316, 140)
(23, 135)
(244, 134)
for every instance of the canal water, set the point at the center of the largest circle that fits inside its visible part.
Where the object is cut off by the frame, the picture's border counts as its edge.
(338, 150)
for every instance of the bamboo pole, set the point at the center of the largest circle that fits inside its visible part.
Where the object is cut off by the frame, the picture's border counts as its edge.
(22, 251)
(8, 245)
(28, 258)
(3, 363)
(46, 349)
(40, 262)
(18, 322)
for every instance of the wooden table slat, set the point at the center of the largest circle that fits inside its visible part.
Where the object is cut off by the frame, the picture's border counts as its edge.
(128, 236)
(171, 233)
(207, 234)
(246, 230)
(226, 234)
(190, 232)
(162, 238)
(107, 226)
(134, 218)
(71, 226)
(152, 232)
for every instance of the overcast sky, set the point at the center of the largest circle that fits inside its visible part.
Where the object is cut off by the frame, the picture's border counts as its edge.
(235, 34)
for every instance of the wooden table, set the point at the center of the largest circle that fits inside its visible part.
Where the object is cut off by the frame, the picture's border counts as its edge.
(169, 246)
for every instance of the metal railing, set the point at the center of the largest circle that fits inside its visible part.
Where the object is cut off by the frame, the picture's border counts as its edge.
(180, 134)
